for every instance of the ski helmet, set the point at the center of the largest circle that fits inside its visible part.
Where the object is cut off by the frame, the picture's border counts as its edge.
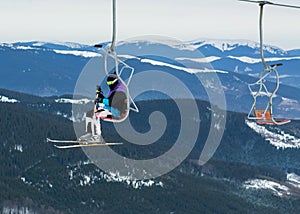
(112, 81)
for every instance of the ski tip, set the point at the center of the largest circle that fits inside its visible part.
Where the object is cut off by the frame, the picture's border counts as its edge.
(86, 145)
(113, 144)
(65, 147)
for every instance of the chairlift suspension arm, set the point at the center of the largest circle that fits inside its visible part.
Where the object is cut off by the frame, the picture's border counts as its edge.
(275, 90)
(261, 35)
(262, 4)
(113, 41)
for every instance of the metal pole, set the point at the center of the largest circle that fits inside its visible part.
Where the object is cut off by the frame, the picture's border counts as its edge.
(112, 46)
(261, 35)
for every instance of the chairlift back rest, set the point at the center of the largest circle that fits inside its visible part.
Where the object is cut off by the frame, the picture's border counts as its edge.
(260, 114)
(98, 46)
(276, 65)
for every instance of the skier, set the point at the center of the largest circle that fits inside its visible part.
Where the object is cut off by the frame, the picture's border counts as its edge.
(114, 107)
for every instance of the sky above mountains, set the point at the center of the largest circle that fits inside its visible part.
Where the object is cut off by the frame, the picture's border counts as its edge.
(90, 21)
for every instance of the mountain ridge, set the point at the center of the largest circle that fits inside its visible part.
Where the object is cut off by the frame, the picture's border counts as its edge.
(31, 68)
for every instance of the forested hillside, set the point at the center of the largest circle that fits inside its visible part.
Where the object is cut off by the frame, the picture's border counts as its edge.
(42, 179)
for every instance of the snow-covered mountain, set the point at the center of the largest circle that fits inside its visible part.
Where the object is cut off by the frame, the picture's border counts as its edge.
(225, 58)
(44, 68)
(236, 47)
(243, 56)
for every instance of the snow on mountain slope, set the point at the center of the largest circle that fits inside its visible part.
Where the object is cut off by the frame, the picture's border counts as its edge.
(226, 55)
(293, 179)
(153, 40)
(60, 78)
(25, 48)
(71, 45)
(288, 188)
(288, 104)
(277, 188)
(73, 101)
(84, 179)
(280, 140)
(200, 60)
(58, 47)
(51, 45)
(229, 45)
(251, 60)
(188, 70)
(86, 54)
(223, 45)
(244, 59)
(5, 99)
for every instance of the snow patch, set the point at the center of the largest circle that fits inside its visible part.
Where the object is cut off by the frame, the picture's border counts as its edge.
(228, 45)
(73, 101)
(72, 118)
(246, 59)
(280, 140)
(136, 184)
(24, 48)
(287, 104)
(247, 69)
(250, 60)
(8, 100)
(161, 41)
(19, 148)
(293, 179)
(189, 70)
(14, 209)
(86, 54)
(66, 44)
(200, 60)
(128, 56)
(90, 178)
(86, 180)
(23, 179)
(276, 188)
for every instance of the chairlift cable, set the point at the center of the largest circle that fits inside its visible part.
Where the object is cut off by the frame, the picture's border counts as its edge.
(271, 3)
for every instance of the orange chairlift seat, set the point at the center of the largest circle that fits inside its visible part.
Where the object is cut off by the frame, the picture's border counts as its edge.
(265, 117)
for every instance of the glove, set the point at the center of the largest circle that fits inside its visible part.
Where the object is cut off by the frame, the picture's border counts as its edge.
(99, 93)
(98, 100)
(98, 89)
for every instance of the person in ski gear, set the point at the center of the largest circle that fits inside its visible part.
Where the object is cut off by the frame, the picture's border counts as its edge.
(115, 105)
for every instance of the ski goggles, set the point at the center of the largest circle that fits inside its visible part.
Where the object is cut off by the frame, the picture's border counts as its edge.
(111, 82)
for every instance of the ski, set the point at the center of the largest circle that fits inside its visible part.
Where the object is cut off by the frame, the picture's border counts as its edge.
(80, 143)
(64, 141)
(86, 145)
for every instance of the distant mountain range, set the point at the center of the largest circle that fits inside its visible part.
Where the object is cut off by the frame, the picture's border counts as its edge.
(46, 69)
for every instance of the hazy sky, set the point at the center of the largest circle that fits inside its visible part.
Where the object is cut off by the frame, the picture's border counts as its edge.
(89, 21)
